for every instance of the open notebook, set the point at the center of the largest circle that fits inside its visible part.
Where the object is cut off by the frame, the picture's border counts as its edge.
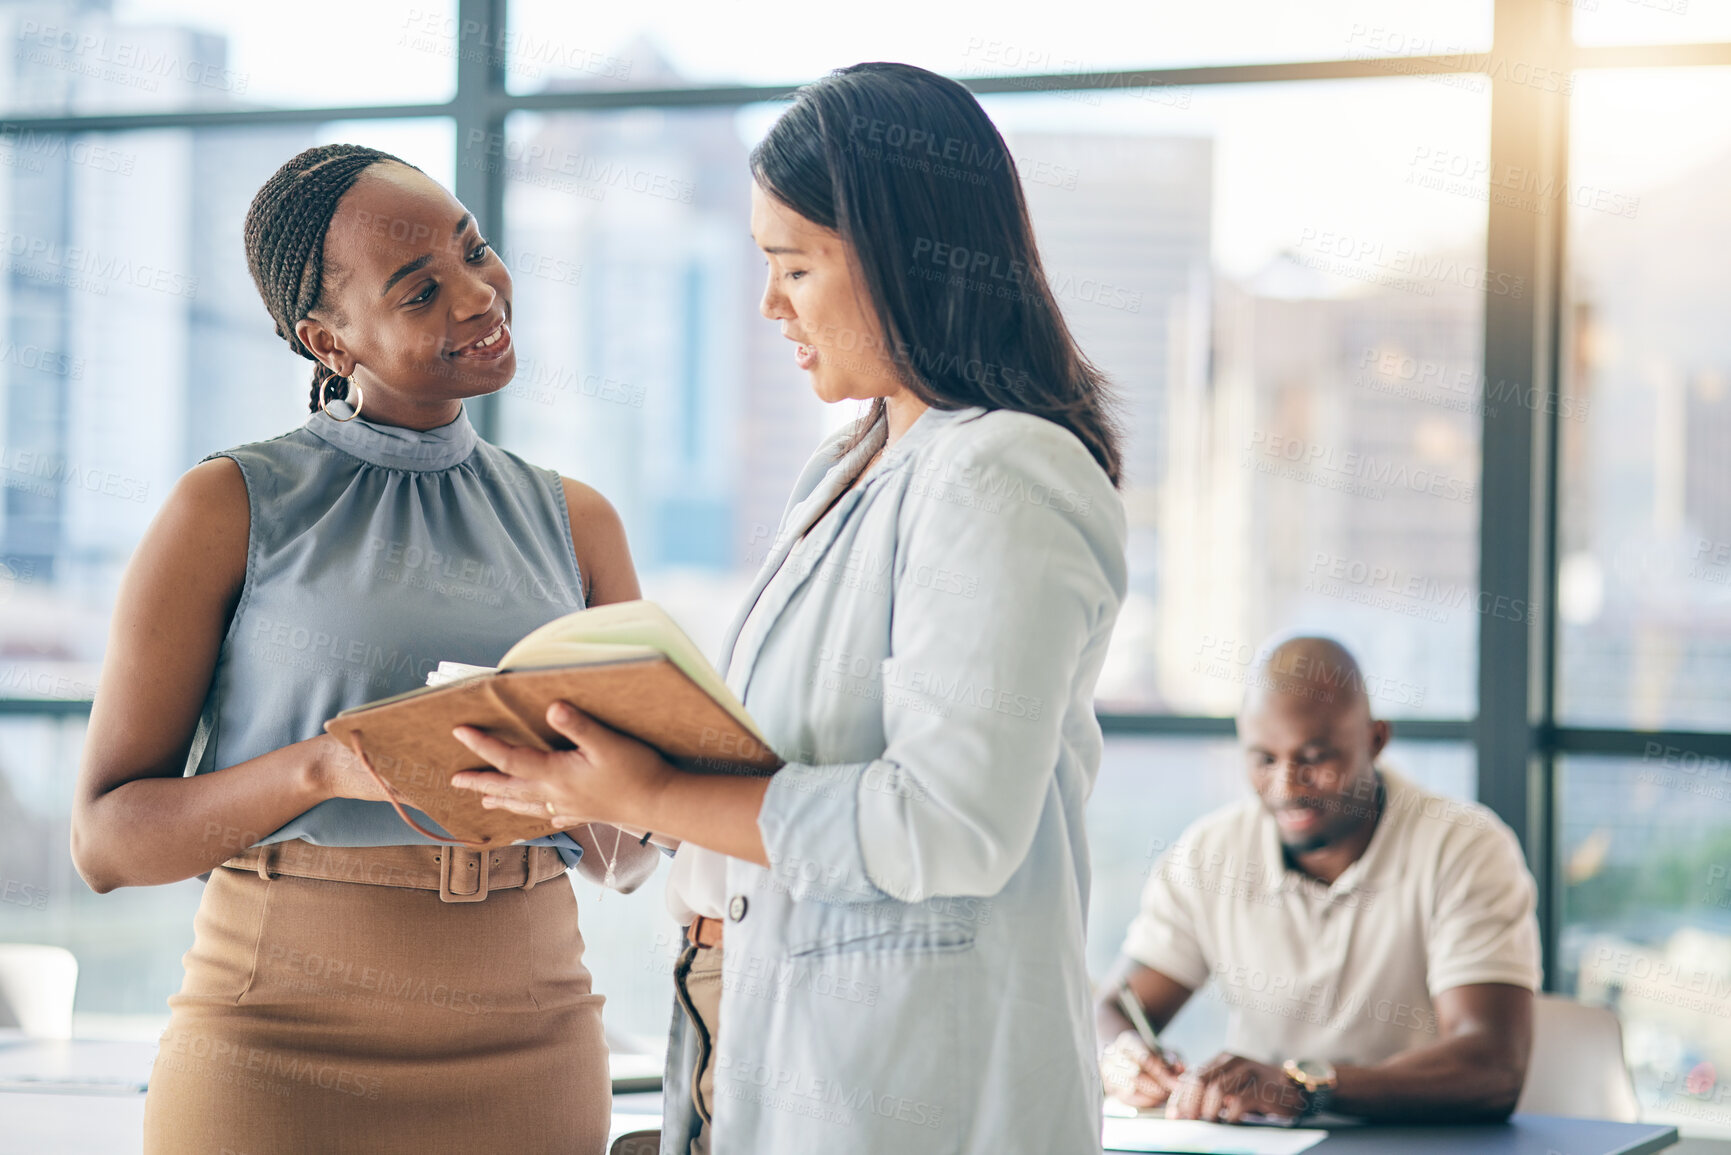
(628, 664)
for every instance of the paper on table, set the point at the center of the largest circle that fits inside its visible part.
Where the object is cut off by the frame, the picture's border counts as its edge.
(1192, 1136)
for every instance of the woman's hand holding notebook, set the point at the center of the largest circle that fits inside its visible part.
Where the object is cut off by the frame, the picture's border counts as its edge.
(627, 664)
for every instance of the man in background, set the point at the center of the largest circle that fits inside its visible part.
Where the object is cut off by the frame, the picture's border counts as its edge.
(1376, 943)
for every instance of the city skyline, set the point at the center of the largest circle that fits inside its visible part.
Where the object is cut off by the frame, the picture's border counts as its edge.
(706, 511)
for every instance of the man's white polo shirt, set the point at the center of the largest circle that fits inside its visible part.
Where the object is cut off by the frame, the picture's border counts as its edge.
(1440, 898)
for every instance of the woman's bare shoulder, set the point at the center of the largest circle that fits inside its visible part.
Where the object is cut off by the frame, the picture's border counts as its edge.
(201, 530)
(603, 555)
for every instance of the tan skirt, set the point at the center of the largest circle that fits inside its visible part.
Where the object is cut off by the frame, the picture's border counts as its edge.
(337, 1017)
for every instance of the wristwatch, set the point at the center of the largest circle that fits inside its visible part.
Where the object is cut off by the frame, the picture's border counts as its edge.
(1316, 1077)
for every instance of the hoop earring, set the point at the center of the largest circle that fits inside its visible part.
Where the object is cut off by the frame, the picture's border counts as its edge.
(325, 403)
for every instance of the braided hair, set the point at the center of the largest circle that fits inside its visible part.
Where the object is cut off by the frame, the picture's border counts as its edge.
(285, 242)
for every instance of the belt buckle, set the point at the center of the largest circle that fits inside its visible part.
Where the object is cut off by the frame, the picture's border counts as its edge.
(447, 861)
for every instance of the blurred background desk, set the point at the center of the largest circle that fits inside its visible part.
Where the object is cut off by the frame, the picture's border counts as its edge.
(1522, 1135)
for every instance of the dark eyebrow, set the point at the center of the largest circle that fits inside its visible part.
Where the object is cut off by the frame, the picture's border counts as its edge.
(776, 248)
(420, 262)
(413, 266)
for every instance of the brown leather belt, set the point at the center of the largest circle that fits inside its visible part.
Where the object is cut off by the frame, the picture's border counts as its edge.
(704, 931)
(458, 874)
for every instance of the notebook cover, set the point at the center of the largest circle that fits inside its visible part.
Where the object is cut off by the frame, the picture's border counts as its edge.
(408, 738)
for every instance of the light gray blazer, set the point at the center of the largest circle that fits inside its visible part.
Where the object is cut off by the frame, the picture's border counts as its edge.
(908, 976)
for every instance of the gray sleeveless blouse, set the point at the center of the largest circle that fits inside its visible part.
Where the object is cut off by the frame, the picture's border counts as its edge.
(375, 553)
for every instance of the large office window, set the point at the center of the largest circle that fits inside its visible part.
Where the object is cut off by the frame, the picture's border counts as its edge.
(130, 56)
(1297, 360)
(690, 42)
(1645, 528)
(1644, 581)
(1292, 320)
(1269, 223)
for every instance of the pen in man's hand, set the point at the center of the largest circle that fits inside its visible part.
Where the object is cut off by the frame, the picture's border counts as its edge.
(1132, 1008)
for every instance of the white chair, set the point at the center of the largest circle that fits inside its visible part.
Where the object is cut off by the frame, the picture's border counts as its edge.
(1577, 1067)
(37, 984)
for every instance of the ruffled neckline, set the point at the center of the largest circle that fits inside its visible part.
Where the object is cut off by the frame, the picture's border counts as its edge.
(394, 447)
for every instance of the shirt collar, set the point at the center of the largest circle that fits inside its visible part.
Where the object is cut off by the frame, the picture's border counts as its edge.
(395, 447)
(1372, 862)
(1357, 874)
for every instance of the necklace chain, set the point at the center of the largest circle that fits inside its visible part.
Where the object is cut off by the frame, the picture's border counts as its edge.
(610, 879)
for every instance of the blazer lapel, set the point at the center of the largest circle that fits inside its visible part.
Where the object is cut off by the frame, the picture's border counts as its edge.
(799, 518)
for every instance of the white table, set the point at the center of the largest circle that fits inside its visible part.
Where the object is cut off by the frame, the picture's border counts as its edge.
(79, 1066)
(35, 1124)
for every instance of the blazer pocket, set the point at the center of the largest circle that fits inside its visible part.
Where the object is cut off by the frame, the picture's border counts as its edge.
(890, 940)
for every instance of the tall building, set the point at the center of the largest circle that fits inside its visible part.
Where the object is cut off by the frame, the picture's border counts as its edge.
(647, 372)
(1646, 527)
(1217, 380)
(135, 343)
(1123, 226)
(1331, 459)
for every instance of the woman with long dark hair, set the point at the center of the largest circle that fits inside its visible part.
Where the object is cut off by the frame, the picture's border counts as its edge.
(353, 985)
(884, 945)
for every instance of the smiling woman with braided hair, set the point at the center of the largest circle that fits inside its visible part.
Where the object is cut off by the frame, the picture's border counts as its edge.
(353, 985)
